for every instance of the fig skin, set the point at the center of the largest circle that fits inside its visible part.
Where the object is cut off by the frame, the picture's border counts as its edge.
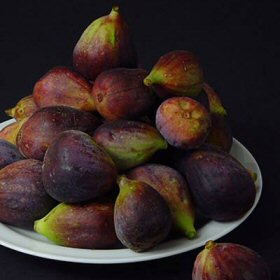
(76, 169)
(220, 133)
(183, 122)
(43, 126)
(10, 132)
(86, 225)
(219, 261)
(129, 143)
(9, 153)
(142, 218)
(177, 73)
(23, 198)
(26, 107)
(222, 189)
(171, 185)
(63, 87)
(106, 43)
(120, 94)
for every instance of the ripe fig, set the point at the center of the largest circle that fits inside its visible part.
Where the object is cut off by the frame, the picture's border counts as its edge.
(10, 132)
(176, 73)
(87, 225)
(76, 169)
(62, 86)
(26, 107)
(229, 261)
(183, 122)
(8, 153)
(221, 187)
(120, 94)
(23, 198)
(220, 133)
(41, 128)
(142, 217)
(106, 43)
(170, 184)
(129, 143)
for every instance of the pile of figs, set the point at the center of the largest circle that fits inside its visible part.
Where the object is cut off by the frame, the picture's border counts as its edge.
(109, 155)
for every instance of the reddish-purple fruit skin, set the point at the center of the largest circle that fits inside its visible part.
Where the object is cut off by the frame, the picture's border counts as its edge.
(76, 169)
(231, 262)
(23, 198)
(8, 153)
(43, 126)
(121, 94)
(221, 187)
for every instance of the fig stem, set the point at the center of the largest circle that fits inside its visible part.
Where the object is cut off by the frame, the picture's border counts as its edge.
(115, 11)
(210, 244)
(148, 82)
(215, 102)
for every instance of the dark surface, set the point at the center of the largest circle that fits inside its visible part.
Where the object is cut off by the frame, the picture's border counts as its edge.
(238, 44)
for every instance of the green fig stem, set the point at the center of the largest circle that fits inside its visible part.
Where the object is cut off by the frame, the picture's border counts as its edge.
(148, 82)
(10, 112)
(215, 102)
(122, 181)
(115, 11)
(210, 244)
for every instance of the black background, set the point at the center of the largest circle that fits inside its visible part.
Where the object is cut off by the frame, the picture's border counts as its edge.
(238, 45)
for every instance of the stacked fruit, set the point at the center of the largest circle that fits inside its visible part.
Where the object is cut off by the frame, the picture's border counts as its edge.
(109, 123)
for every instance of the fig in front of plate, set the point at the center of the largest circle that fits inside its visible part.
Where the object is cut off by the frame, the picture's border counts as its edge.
(106, 43)
(170, 184)
(221, 187)
(183, 122)
(26, 107)
(220, 261)
(43, 126)
(142, 217)
(9, 153)
(220, 133)
(10, 132)
(176, 73)
(129, 143)
(84, 225)
(63, 87)
(120, 94)
(23, 198)
(76, 169)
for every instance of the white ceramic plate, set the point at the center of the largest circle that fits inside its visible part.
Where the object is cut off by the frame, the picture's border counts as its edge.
(32, 243)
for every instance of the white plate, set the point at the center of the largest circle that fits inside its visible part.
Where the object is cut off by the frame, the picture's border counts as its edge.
(32, 243)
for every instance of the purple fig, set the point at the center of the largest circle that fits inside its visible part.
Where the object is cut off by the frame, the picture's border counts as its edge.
(120, 94)
(183, 122)
(8, 153)
(220, 261)
(176, 73)
(62, 86)
(142, 217)
(106, 43)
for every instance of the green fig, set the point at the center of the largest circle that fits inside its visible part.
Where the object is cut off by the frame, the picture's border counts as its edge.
(129, 143)
(142, 218)
(173, 188)
(88, 225)
(177, 73)
(106, 43)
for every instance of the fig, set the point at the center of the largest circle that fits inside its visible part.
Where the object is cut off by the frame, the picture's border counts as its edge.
(76, 169)
(170, 184)
(183, 122)
(120, 94)
(10, 132)
(220, 133)
(220, 261)
(8, 153)
(129, 143)
(176, 73)
(106, 43)
(85, 225)
(26, 107)
(142, 217)
(221, 187)
(23, 198)
(40, 129)
(63, 87)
